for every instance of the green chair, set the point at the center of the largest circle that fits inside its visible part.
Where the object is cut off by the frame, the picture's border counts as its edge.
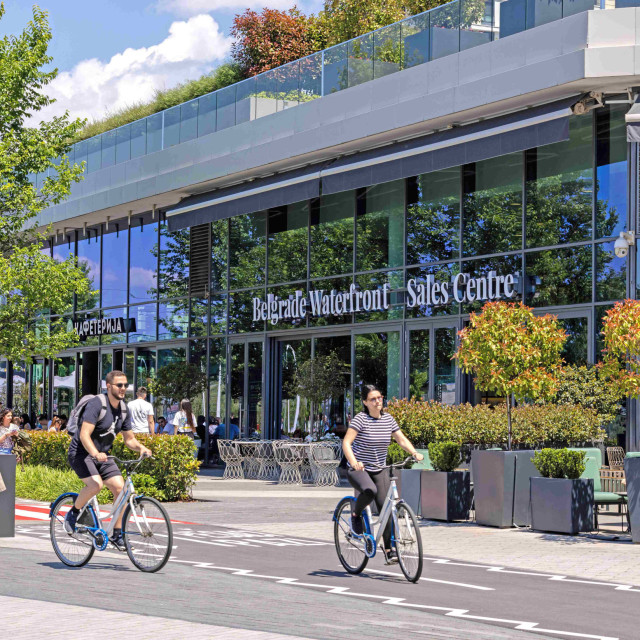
(592, 470)
(632, 454)
(594, 452)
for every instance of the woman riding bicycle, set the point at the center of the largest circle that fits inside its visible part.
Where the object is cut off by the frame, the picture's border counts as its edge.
(365, 447)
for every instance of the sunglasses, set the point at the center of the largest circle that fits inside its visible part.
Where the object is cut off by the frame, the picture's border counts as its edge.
(120, 385)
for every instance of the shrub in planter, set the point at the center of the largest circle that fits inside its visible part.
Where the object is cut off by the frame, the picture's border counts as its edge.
(445, 456)
(560, 463)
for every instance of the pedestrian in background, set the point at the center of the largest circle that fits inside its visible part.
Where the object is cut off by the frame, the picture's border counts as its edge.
(184, 422)
(26, 422)
(161, 427)
(7, 431)
(142, 420)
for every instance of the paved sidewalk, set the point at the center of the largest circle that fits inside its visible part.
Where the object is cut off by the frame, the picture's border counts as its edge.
(27, 619)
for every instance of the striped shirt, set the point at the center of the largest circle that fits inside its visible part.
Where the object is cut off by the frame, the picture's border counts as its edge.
(372, 440)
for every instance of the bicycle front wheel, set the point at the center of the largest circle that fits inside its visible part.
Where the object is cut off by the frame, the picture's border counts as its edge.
(350, 549)
(147, 532)
(408, 543)
(74, 549)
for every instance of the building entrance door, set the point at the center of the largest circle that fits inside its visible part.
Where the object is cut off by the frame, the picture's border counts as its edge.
(431, 372)
(245, 383)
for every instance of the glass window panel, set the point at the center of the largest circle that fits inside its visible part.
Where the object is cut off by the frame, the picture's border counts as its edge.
(146, 368)
(611, 274)
(571, 7)
(289, 85)
(433, 217)
(559, 276)
(198, 356)
(335, 75)
(138, 138)
(173, 319)
(476, 19)
(311, 77)
(294, 410)
(94, 151)
(145, 316)
(287, 292)
(374, 282)
(89, 261)
(3, 383)
(360, 59)
(492, 203)
(241, 311)
(600, 315)
(387, 50)
(340, 405)
(89, 341)
(218, 320)
(380, 226)
(64, 249)
(543, 11)
(266, 89)
(115, 338)
(254, 401)
(198, 317)
(217, 378)
(189, 121)
(415, 40)
(247, 250)
(377, 362)
(115, 265)
(611, 161)
(154, 132)
(560, 188)
(219, 243)
(419, 364)
(426, 298)
(445, 30)
(173, 277)
(490, 287)
(327, 286)
(444, 378)
(143, 267)
(576, 347)
(20, 388)
(64, 385)
(237, 364)
(207, 114)
(246, 100)
(108, 148)
(123, 144)
(171, 127)
(288, 242)
(80, 154)
(332, 234)
(226, 108)
(512, 17)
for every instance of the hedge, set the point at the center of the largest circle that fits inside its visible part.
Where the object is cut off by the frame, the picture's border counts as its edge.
(171, 472)
(533, 425)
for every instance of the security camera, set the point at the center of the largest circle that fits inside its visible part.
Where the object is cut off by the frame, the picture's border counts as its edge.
(621, 246)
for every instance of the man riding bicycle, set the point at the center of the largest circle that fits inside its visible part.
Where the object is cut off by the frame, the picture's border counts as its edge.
(90, 447)
(365, 447)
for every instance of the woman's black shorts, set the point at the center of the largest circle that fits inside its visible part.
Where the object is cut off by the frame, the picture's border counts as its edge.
(85, 466)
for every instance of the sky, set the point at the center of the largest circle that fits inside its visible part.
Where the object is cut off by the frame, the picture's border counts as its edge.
(113, 53)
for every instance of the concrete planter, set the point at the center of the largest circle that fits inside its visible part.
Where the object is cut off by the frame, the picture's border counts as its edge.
(561, 505)
(445, 495)
(632, 474)
(408, 483)
(8, 497)
(501, 487)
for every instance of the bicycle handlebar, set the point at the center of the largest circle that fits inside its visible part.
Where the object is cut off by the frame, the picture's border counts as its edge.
(128, 463)
(394, 465)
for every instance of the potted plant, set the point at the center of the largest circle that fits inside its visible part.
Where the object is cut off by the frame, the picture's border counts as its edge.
(561, 501)
(445, 494)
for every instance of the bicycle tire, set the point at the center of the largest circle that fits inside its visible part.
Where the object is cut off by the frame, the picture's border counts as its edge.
(408, 543)
(150, 546)
(78, 552)
(350, 551)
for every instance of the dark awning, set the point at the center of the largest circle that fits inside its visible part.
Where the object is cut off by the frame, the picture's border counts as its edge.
(632, 119)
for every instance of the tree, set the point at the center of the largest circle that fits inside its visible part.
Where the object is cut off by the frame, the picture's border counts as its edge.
(32, 283)
(512, 352)
(178, 380)
(270, 39)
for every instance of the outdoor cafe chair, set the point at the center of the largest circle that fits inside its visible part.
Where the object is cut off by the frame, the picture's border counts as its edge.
(231, 456)
(248, 449)
(265, 455)
(325, 463)
(289, 458)
(615, 456)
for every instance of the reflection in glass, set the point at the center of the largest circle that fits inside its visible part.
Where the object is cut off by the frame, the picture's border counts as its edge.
(445, 368)
(218, 304)
(294, 410)
(360, 59)
(89, 315)
(173, 319)
(445, 30)
(198, 357)
(339, 408)
(143, 265)
(89, 262)
(108, 148)
(39, 387)
(146, 367)
(575, 348)
(145, 316)
(171, 127)
(503, 266)
(311, 77)
(115, 338)
(226, 108)
(434, 302)
(198, 317)
(611, 170)
(106, 365)
(123, 144)
(419, 364)
(287, 292)
(561, 276)
(476, 19)
(217, 378)
(219, 242)
(288, 242)
(154, 132)
(433, 216)
(600, 315)
(64, 385)
(395, 296)
(115, 265)
(492, 205)
(327, 286)
(138, 138)
(387, 47)
(237, 404)
(247, 249)
(611, 274)
(255, 420)
(94, 147)
(559, 188)
(206, 114)
(173, 276)
(246, 100)
(188, 121)
(542, 11)
(380, 226)
(377, 362)
(241, 311)
(336, 69)
(332, 234)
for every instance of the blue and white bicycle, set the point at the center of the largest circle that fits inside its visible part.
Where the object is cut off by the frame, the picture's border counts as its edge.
(355, 550)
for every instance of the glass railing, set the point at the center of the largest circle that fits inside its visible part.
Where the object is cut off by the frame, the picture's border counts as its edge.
(439, 32)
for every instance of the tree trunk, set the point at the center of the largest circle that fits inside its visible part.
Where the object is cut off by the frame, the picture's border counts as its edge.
(509, 401)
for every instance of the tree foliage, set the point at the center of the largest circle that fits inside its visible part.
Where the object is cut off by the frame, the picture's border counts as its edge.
(319, 379)
(177, 381)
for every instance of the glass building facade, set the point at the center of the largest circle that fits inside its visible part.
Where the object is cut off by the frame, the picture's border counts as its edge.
(547, 217)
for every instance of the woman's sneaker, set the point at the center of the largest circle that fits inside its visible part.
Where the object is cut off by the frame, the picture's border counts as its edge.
(357, 525)
(391, 556)
(118, 542)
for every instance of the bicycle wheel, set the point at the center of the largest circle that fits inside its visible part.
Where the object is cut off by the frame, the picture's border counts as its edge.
(350, 550)
(408, 543)
(148, 536)
(74, 549)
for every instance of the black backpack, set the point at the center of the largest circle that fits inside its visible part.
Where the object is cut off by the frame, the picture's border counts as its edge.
(75, 419)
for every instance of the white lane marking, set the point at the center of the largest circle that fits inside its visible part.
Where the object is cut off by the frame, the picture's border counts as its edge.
(520, 625)
(256, 541)
(455, 584)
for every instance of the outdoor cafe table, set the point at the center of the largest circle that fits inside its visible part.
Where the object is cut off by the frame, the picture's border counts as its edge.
(248, 451)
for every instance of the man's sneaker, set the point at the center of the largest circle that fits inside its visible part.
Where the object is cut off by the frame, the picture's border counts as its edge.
(118, 542)
(391, 556)
(70, 521)
(357, 525)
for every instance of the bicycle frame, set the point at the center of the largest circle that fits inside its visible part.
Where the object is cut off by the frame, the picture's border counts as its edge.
(126, 497)
(388, 511)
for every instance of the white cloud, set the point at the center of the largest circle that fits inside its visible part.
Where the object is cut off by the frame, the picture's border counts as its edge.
(193, 7)
(92, 87)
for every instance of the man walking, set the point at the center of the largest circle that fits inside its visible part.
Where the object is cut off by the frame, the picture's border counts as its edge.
(141, 413)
